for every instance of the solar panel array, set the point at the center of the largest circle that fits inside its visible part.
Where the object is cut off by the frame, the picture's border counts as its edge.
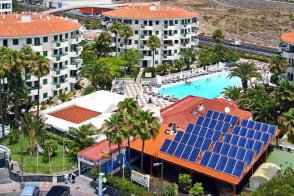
(230, 153)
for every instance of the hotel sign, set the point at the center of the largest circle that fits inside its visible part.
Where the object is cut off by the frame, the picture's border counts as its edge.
(140, 178)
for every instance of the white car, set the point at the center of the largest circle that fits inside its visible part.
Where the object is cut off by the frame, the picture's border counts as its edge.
(236, 43)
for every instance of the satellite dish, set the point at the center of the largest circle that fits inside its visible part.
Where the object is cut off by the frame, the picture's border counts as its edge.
(227, 110)
(200, 107)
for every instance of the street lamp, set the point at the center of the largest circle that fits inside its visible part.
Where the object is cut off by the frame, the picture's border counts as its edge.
(161, 178)
(21, 158)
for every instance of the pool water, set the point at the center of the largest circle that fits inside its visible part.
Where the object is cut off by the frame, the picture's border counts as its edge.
(207, 86)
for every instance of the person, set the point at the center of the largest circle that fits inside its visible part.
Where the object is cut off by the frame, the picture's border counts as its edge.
(66, 178)
(73, 178)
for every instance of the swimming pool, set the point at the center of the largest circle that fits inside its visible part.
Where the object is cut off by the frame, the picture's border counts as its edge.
(207, 86)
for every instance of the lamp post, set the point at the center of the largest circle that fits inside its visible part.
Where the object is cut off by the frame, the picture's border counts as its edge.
(277, 121)
(21, 158)
(161, 177)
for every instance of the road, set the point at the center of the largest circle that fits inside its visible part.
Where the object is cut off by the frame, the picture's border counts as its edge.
(244, 47)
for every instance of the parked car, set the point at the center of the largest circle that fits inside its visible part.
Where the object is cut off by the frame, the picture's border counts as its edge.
(236, 43)
(59, 190)
(30, 190)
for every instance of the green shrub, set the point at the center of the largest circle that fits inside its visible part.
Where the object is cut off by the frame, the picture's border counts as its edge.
(127, 187)
(171, 190)
(43, 107)
(197, 190)
(89, 90)
(94, 173)
(185, 182)
(49, 143)
(13, 136)
(255, 57)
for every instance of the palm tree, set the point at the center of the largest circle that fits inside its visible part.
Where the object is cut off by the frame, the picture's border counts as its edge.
(100, 47)
(114, 132)
(179, 64)
(164, 68)
(146, 127)
(64, 97)
(4, 55)
(188, 54)
(278, 66)
(287, 121)
(153, 43)
(41, 69)
(205, 57)
(232, 92)
(218, 36)
(115, 28)
(245, 71)
(33, 127)
(125, 33)
(285, 94)
(129, 107)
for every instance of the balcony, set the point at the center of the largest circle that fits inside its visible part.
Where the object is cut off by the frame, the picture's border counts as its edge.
(37, 48)
(56, 86)
(288, 54)
(76, 39)
(169, 27)
(56, 44)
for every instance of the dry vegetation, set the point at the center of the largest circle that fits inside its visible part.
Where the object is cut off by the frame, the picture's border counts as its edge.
(259, 26)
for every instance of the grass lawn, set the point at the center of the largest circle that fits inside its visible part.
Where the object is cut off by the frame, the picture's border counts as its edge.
(281, 158)
(30, 161)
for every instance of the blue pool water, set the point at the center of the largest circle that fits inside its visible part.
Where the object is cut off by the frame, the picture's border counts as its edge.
(202, 87)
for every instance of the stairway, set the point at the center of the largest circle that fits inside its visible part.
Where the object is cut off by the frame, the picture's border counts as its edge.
(138, 79)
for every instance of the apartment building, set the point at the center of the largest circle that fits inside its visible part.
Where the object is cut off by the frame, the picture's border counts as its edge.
(287, 51)
(5, 7)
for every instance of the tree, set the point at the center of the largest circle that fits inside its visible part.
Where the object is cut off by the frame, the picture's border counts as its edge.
(179, 64)
(41, 69)
(4, 57)
(185, 182)
(92, 24)
(129, 107)
(278, 66)
(153, 43)
(232, 92)
(82, 138)
(287, 122)
(285, 94)
(220, 53)
(100, 47)
(114, 133)
(102, 70)
(197, 190)
(132, 57)
(188, 54)
(64, 97)
(218, 36)
(146, 126)
(115, 28)
(171, 190)
(33, 128)
(125, 33)
(245, 71)
(164, 68)
(205, 57)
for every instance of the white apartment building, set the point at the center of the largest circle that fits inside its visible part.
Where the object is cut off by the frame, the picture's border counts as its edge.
(287, 51)
(5, 7)
(175, 27)
(56, 38)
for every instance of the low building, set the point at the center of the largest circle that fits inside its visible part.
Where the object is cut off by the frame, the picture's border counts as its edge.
(287, 51)
(176, 28)
(6, 7)
(92, 109)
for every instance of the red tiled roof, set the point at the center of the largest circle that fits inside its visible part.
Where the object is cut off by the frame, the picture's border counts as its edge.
(93, 153)
(150, 12)
(183, 112)
(75, 114)
(288, 37)
(31, 24)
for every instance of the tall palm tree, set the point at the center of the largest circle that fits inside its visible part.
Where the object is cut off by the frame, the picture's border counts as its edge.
(125, 33)
(285, 94)
(278, 66)
(100, 47)
(218, 36)
(245, 71)
(129, 107)
(188, 54)
(4, 56)
(287, 121)
(41, 69)
(146, 127)
(153, 43)
(232, 92)
(205, 57)
(179, 64)
(115, 28)
(114, 132)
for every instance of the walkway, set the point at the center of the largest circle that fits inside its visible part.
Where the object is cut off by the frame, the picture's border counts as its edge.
(139, 76)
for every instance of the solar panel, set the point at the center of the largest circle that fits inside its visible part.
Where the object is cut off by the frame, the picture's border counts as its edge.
(194, 154)
(250, 124)
(257, 146)
(200, 120)
(165, 145)
(209, 113)
(186, 154)
(250, 133)
(192, 140)
(249, 157)
(185, 138)
(228, 118)
(205, 159)
(219, 125)
(215, 115)
(212, 124)
(233, 151)
(236, 130)
(228, 138)
(213, 160)
(238, 169)
(206, 144)
(242, 141)
(189, 128)
(206, 122)
(235, 139)
(199, 142)
(257, 135)
(241, 153)
(221, 117)
(217, 147)
(179, 136)
(216, 136)
(196, 129)
(225, 149)
(225, 128)
(265, 138)
(209, 133)
(249, 144)
(272, 130)
(172, 147)
(179, 150)
(257, 126)
(264, 127)
(234, 120)
(230, 166)
(221, 163)
(202, 131)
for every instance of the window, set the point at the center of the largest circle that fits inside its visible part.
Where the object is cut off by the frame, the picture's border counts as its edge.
(136, 41)
(45, 95)
(5, 42)
(175, 51)
(55, 38)
(45, 53)
(175, 31)
(136, 22)
(157, 32)
(66, 89)
(66, 49)
(176, 22)
(66, 35)
(145, 22)
(136, 32)
(66, 62)
(156, 52)
(45, 39)
(157, 22)
(37, 41)
(55, 93)
(15, 41)
(55, 65)
(29, 40)
(156, 62)
(45, 81)
(55, 79)
(176, 41)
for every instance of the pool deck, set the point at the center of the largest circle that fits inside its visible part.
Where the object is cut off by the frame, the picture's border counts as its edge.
(281, 158)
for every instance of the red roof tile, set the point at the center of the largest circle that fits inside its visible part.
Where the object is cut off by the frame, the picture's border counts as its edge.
(31, 24)
(93, 153)
(185, 111)
(75, 114)
(150, 12)
(288, 37)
